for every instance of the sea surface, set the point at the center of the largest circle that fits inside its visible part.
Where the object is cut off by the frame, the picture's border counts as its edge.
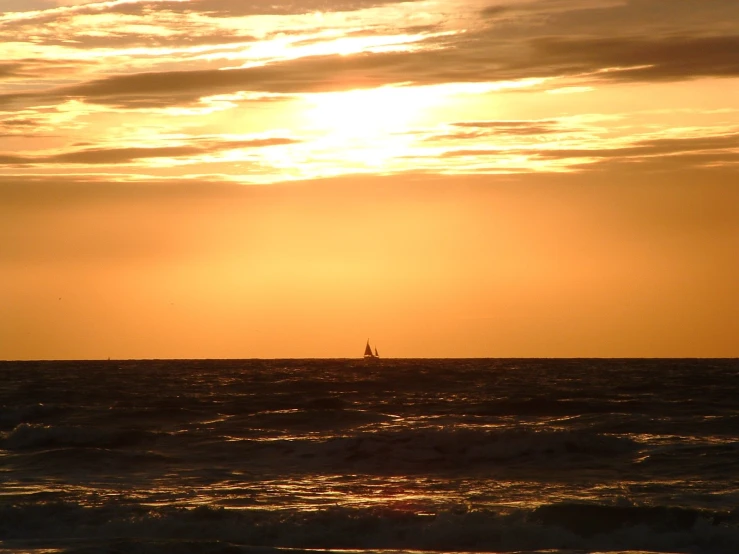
(285, 456)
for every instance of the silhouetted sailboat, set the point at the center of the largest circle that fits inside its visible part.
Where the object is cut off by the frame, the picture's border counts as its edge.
(368, 355)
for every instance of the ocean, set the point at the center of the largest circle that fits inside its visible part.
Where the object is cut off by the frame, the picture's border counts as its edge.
(285, 456)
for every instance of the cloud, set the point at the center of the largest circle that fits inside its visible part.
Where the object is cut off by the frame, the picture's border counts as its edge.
(133, 154)
(720, 145)
(21, 126)
(663, 154)
(319, 73)
(475, 130)
(556, 38)
(75, 90)
(240, 8)
(494, 11)
(18, 122)
(514, 127)
(726, 163)
(153, 10)
(175, 32)
(180, 40)
(8, 70)
(180, 30)
(40, 68)
(475, 153)
(611, 17)
(638, 59)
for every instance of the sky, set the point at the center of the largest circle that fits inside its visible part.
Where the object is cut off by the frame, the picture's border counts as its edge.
(450, 178)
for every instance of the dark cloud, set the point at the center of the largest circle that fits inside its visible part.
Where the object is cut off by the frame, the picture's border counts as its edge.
(650, 148)
(663, 154)
(308, 74)
(8, 70)
(472, 130)
(504, 123)
(23, 127)
(237, 8)
(9, 99)
(212, 8)
(462, 135)
(40, 68)
(476, 153)
(674, 58)
(650, 18)
(486, 58)
(574, 38)
(587, 18)
(122, 155)
(57, 29)
(129, 155)
(513, 127)
(643, 59)
(10, 159)
(153, 89)
(676, 165)
(19, 122)
(494, 11)
(182, 39)
(729, 140)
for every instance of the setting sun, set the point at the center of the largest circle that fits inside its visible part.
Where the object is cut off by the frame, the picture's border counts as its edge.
(373, 114)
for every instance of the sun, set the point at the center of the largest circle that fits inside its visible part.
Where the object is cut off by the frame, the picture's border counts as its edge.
(369, 113)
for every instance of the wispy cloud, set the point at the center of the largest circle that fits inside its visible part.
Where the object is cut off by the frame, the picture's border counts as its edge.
(127, 76)
(111, 156)
(618, 59)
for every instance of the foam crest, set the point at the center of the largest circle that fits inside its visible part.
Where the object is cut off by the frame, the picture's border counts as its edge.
(28, 436)
(450, 448)
(552, 528)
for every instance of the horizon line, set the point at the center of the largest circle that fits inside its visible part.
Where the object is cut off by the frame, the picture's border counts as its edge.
(32, 360)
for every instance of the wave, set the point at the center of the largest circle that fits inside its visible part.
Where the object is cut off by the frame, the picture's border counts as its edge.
(371, 451)
(85, 462)
(11, 416)
(438, 449)
(554, 406)
(28, 436)
(320, 415)
(593, 519)
(555, 527)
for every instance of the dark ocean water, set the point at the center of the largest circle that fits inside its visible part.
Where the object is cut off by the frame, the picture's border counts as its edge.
(402, 455)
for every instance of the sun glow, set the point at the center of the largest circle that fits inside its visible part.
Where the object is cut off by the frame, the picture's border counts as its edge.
(370, 113)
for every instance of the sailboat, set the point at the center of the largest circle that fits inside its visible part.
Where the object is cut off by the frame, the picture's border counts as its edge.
(368, 354)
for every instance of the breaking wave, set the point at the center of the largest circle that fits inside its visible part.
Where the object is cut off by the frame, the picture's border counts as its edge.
(456, 448)
(557, 527)
(31, 435)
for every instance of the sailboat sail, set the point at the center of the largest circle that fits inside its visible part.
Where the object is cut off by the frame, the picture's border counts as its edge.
(368, 352)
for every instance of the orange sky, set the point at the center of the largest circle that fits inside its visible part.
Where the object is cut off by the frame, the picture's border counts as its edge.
(235, 178)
